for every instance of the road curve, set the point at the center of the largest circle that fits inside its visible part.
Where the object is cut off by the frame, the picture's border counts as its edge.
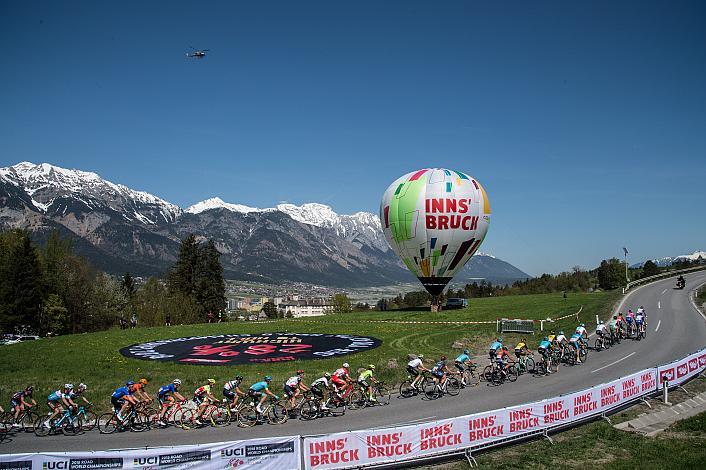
(675, 329)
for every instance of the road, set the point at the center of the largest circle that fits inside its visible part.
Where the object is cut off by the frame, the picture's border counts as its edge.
(675, 329)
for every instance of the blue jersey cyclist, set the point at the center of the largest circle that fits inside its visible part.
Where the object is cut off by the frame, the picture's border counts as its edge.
(574, 342)
(440, 370)
(57, 400)
(494, 348)
(463, 360)
(545, 348)
(167, 395)
(121, 399)
(260, 391)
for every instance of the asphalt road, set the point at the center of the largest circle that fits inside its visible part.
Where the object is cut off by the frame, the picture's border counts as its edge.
(675, 329)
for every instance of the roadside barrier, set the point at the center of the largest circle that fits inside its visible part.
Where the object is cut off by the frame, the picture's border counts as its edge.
(387, 446)
(666, 274)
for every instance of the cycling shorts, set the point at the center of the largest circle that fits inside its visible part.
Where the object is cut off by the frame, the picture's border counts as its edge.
(542, 351)
(317, 392)
(492, 353)
(437, 373)
(117, 403)
(290, 391)
(14, 404)
(254, 393)
(229, 394)
(459, 366)
(165, 399)
(412, 371)
(363, 383)
(198, 399)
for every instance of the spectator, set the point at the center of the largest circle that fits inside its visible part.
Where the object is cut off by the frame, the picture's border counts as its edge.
(168, 320)
(133, 321)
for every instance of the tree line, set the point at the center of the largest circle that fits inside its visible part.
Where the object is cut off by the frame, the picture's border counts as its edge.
(51, 289)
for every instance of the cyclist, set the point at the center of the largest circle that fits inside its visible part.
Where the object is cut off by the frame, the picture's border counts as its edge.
(56, 399)
(78, 393)
(561, 341)
(581, 329)
(415, 367)
(629, 319)
(622, 328)
(231, 390)
(440, 370)
(574, 342)
(293, 386)
(613, 327)
(602, 329)
(366, 379)
(545, 348)
(502, 360)
(166, 396)
(494, 347)
(341, 378)
(521, 351)
(463, 361)
(641, 310)
(640, 321)
(552, 336)
(320, 387)
(137, 390)
(121, 399)
(259, 392)
(20, 401)
(203, 396)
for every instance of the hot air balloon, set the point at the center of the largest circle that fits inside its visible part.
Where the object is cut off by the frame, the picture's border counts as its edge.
(435, 219)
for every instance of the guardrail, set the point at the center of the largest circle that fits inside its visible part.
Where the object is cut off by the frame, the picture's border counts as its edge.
(666, 274)
(388, 446)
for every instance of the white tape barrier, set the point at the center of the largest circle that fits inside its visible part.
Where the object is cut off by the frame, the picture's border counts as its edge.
(678, 372)
(361, 448)
(280, 453)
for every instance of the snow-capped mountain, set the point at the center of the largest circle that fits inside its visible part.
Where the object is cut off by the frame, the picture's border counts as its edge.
(120, 229)
(669, 260)
(54, 190)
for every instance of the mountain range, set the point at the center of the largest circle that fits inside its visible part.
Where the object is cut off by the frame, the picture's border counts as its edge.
(669, 260)
(120, 229)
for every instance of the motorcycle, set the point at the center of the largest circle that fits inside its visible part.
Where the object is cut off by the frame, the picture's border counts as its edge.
(681, 283)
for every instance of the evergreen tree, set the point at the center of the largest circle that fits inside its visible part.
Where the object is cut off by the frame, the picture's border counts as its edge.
(341, 303)
(270, 309)
(22, 279)
(55, 317)
(650, 269)
(211, 287)
(127, 284)
(184, 276)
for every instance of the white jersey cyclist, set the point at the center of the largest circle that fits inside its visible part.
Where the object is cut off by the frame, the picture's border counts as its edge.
(321, 382)
(293, 381)
(560, 338)
(602, 329)
(414, 363)
(581, 330)
(341, 373)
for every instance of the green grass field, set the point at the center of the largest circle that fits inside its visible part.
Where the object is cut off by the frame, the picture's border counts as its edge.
(95, 358)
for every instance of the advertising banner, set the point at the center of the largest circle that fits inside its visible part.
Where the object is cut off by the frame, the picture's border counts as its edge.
(357, 448)
(280, 453)
(680, 371)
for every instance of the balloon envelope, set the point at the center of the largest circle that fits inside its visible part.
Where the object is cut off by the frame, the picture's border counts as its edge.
(435, 219)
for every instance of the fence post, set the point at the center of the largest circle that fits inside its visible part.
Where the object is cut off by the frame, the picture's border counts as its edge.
(666, 393)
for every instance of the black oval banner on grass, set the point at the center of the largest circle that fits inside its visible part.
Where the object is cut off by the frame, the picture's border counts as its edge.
(249, 349)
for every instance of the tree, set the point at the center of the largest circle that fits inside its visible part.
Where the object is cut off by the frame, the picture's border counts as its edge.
(611, 274)
(22, 282)
(211, 287)
(127, 284)
(55, 317)
(270, 309)
(184, 276)
(341, 303)
(650, 269)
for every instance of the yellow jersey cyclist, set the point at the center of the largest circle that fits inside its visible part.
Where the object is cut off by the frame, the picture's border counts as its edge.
(56, 401)
(522, 351)
(203, 396)
(259, 392)
(21, 401)
(166, 396)
(415, 367)
(366, 381)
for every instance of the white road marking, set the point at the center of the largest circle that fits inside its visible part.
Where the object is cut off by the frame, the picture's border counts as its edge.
(658, 323)
(613, 363)
(659, 304)
(665, 290)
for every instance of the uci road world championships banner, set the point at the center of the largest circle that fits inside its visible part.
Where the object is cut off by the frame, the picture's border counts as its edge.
(249, 349)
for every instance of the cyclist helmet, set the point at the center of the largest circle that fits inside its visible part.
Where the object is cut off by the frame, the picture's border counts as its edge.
(443, 358)
(600, 322)
(327, 375)
(69, 386)
(561, 332)
(346, 365)
(239, 378)
(177, 382)
(421, 356)
(615, 317)
(500, 340)
(129, 383)
(211, 381)
(371, 366)
(466, 351)
(29, 389)
(144, 381)
(300, 372)
(268, 378)
(552, 333)
(582, 324)
(546, 338)
(82, 387)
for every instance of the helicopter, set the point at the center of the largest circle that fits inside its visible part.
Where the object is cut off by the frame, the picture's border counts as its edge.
(198, 53)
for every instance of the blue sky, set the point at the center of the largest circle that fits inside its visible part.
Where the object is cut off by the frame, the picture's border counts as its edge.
(585, 121)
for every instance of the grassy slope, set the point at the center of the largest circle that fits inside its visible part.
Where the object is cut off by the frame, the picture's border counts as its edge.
(95, 360)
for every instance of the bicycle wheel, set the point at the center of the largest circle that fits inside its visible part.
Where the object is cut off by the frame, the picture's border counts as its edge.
(487, 374)
(107, 423)
(27, 421)
(430, 389)
(309, 410)
(382, 395)
(219, 416)
(72, 426)
(140, 422)
(356, 399)
(512, 373)
(187, 419)
(40, 429)
(472, 379)
(278, 414)
(453, 386)
(406, 389)
(583, 354)
(88, 420)
(247, 416)
(497, 378)
(530, 364)
(598, 344)
(336, 407)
